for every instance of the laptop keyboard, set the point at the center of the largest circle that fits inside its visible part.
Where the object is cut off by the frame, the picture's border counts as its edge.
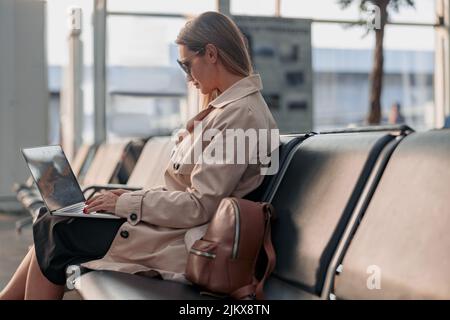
(73, 208)
(76, 209)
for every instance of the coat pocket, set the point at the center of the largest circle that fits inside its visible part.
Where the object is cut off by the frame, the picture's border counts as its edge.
(201, 259)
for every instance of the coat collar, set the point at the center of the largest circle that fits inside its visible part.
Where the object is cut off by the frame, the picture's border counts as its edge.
(238, 90)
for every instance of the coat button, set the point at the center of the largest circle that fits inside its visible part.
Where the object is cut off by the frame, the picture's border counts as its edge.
(176, 166)
(133, 217)
(124, 234)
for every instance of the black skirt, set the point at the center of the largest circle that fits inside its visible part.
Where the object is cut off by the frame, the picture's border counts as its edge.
(63, 241)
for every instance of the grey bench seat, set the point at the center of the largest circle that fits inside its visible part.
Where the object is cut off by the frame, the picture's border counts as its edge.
(316, 191)
(94, 279)
(110, 285)
(315, 199)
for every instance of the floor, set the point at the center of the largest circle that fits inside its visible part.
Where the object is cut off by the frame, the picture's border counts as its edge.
(14, 246)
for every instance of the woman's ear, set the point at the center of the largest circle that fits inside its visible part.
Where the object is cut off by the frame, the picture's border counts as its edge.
(211, 53)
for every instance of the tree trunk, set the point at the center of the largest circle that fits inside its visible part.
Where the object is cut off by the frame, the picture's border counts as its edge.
(374, 116)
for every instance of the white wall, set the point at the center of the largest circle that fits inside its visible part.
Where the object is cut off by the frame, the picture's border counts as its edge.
(23, 89)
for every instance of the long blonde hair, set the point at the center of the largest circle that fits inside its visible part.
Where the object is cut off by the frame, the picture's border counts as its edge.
(217, 29)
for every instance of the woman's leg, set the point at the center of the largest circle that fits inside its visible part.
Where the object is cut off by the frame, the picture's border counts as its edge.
(15, 289)
(38, 287)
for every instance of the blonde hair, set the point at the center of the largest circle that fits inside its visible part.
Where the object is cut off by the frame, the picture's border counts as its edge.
(217, 29)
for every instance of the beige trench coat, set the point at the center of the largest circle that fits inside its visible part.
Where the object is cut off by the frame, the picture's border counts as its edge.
(153, 239)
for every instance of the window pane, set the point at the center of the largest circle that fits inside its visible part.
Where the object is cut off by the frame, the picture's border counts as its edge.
(142, 41)
(145, 86)
(167, 6)
(342, 67)
(423, 11)
(253, 8)
(318, 9)
(134, 116)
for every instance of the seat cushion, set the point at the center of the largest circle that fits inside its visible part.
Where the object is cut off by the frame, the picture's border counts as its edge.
(110, 285)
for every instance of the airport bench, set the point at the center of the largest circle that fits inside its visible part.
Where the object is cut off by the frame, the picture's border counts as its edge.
(401, 249)
(115, 285)
(316, 196)
(324, 181)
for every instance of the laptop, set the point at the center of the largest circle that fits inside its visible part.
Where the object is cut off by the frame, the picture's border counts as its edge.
(57, 184)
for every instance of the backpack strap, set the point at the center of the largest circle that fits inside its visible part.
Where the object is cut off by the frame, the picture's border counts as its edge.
(246, 292)
(268, 247)
(255, 289)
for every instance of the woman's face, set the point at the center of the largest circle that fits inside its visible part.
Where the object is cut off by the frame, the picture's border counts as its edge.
(201, 66)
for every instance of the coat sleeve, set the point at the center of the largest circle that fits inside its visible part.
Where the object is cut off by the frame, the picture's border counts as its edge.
(210, 183)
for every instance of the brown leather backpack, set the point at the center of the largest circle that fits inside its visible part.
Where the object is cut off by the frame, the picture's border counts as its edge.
(224, 261)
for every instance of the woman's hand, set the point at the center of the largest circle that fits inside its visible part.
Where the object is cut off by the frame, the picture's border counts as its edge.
(106, 201)
(119, 191)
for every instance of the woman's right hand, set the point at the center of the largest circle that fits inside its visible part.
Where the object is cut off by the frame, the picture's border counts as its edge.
(119, 191)
(103, 202)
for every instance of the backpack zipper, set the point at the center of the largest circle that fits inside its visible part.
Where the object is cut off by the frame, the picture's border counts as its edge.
(202, 253)
(236, 230)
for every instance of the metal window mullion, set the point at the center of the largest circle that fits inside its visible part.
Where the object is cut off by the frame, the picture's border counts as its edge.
(99, 26)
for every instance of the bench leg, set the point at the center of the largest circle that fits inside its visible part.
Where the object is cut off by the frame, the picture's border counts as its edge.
(22, 223)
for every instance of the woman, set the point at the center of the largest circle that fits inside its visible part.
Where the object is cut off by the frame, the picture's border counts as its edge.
(150, 237)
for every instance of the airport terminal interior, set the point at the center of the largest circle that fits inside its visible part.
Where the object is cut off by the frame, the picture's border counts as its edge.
(101, 79)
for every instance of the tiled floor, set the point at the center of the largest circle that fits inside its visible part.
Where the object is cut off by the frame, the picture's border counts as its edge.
(13, 246)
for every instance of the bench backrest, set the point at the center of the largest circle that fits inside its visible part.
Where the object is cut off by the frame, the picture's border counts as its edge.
(80, 158)
(152, 163)
(128, 162)
(401, 249)
(318, 191)
(287, 143)
(104, 164)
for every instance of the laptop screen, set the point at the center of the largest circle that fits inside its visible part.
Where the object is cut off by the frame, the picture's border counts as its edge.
(54, 177)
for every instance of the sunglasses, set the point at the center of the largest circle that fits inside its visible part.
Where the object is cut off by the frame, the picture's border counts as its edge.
(186, 63)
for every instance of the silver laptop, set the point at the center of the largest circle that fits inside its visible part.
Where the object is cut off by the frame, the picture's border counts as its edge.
(57, 184)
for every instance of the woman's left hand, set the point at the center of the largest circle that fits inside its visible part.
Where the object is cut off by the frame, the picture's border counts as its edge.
(103, 202)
